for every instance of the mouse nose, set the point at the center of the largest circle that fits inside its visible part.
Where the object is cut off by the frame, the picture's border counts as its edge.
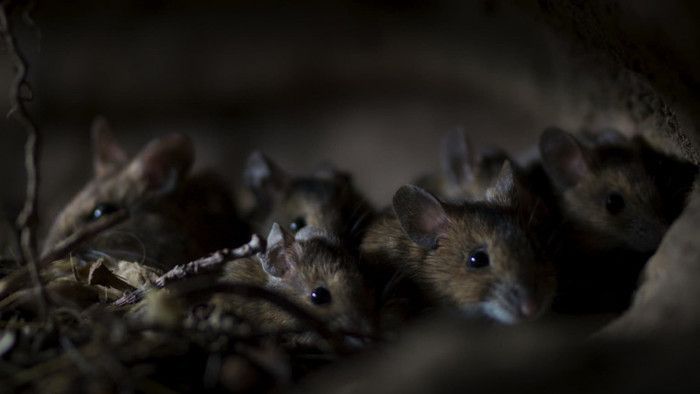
(519, 302)
(528, 307)
(355, 341)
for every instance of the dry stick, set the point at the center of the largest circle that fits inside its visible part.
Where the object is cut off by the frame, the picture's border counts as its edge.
(62, 249)
(255, 245)
(28, 218)
(85, 233)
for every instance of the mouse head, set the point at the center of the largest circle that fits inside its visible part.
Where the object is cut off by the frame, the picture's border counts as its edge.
(326, 200)
(478, 256)
(315, 271)
(673, 176)
(467, 173)
(606, 193)
(120, 183)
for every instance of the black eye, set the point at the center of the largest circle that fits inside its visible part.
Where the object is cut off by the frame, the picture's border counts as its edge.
(102, 210)
(297, 224)
(614, 203)
(478, 259)
(320, 296)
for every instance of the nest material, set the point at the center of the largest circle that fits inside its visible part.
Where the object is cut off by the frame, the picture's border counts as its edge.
(158, 344)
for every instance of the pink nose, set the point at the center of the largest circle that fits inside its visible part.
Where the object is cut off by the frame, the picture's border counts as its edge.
(528, 308)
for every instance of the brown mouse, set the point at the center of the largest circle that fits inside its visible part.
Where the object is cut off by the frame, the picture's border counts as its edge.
(477, 256)
(605, 194)
(311, 268)
(465, 173)
(673, 176)
(327, 199)
(616, 196)
(173, 217)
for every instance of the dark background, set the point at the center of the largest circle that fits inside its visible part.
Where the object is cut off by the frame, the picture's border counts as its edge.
(368, 85)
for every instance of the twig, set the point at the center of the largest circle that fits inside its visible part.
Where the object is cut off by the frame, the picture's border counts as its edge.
(85, 233)
(17, 278)
(27, 221)
(255, 245)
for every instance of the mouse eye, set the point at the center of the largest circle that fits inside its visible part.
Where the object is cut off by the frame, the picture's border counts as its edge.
(614, 203)
(320, 296)
(297, 224)
(103, 209)
(478, 259)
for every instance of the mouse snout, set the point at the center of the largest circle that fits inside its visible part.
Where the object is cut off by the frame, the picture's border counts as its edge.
(353, 326)
(512, 303)
(356, 341)
(528, 307)
(521, 302)
(355, 333)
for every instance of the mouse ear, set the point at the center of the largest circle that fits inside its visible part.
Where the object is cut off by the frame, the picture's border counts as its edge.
(280, 257)
(457, 158)
(504, 190)
(510, 188)
(108, 156)
(164, 162)
(265, 178)
(563, 158)
(421, 215)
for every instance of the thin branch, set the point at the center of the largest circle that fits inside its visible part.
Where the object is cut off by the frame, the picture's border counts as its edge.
(18, 278)
(20, 92)
(85, 233)
(255, 245)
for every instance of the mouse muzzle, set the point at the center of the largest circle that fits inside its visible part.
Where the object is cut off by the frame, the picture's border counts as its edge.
(511, 303)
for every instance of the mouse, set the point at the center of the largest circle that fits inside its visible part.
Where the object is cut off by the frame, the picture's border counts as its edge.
(607, 198)
(311, 268)
(327, 199)
(465, 172)
(174, 216)
(476, 257)
(616, 197)
(673, 177)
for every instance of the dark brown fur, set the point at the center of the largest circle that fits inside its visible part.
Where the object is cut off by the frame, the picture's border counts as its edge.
(295, 267)
(584, 172)
(326, 200)
(500, 226)
(465, 174)
(600, 254)
(174, 217)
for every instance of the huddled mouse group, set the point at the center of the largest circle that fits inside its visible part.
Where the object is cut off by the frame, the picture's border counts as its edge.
(486, 237)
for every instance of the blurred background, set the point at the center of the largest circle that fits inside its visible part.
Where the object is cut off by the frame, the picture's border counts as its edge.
(370, 86)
